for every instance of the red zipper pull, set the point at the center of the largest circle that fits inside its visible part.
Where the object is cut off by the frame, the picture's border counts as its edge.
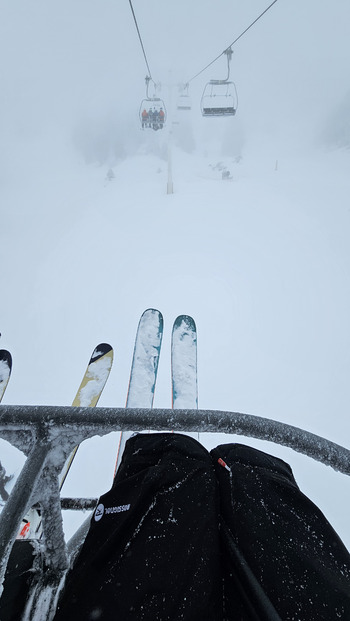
(224, 464)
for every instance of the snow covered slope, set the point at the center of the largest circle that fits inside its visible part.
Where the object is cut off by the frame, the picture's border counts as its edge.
(259, 261)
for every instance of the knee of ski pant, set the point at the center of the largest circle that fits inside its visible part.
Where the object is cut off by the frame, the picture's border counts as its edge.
(156, 466)
(144, 450)
(239, 457)
(164, 549)
(284, 539)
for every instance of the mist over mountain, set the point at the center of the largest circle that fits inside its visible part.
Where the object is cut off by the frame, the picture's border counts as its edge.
(80, 70)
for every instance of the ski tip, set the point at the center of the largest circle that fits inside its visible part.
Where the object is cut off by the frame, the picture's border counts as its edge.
(187, 320)
(101, 350)
(152, 311)
(154, 314)
(6, 358)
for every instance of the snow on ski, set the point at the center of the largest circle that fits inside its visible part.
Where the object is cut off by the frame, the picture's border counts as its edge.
(88, 394)
(5, 370)
(184, 363)
(144, 368)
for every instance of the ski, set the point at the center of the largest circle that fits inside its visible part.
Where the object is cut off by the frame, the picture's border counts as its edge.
(88, 394)
(90, 389)
(184, 365)
(4, 479)
(5, 370)
(144, 368)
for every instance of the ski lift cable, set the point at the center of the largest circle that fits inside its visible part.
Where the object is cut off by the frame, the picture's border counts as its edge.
(140, 38)
(233, 42)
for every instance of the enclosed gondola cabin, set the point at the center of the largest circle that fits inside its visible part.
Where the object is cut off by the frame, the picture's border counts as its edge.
(219, 99)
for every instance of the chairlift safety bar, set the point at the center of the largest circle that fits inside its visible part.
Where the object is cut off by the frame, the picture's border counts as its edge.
(47, 434)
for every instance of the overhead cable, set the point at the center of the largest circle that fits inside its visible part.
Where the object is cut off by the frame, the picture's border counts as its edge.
(233, 42)
(142, 46)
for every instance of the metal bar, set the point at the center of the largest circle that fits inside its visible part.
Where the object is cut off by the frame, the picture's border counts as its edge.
(20, 501)
(79, 504)
(55, 547)
(76, 504)
(81, 423)
(76, 541)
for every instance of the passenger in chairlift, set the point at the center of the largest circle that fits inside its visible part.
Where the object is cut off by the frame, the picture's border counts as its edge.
(144, 117)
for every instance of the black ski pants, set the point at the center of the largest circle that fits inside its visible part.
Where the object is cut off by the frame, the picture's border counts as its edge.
(188, 535)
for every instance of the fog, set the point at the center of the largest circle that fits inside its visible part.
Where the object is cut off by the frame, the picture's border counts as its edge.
(262, 263)
(78, 70)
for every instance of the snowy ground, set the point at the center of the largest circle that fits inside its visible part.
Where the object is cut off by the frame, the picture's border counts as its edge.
(261, 261)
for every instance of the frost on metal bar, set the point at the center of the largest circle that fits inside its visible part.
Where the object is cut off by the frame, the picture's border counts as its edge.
(67, 426)
(47, 434)
(79, 504)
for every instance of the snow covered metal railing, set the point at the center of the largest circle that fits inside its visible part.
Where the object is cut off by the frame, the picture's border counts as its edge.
(47, 434)
(71, 425)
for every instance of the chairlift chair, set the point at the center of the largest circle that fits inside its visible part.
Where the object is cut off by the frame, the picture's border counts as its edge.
(184, 103)
(184, 100)
(152, 110)
(219, 98)
(153, 107)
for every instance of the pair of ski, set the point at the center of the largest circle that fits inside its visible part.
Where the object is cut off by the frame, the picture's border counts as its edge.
(142, 382)
(144, 367)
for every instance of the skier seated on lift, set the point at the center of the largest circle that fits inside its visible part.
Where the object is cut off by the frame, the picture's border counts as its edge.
(144, 117)
(188, 535)
(155, 118)
(161, 116)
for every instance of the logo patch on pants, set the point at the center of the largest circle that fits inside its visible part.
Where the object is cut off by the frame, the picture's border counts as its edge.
(101, 510)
